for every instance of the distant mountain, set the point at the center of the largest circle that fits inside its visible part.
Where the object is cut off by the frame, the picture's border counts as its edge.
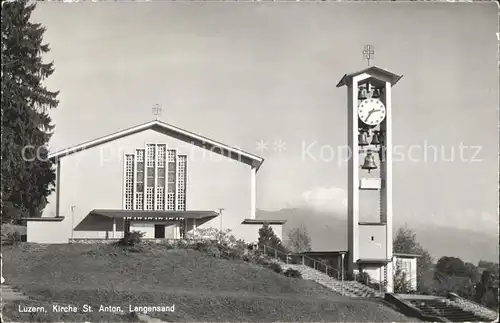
(329, 232)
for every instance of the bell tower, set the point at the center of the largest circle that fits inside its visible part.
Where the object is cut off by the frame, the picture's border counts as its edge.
(370, 169)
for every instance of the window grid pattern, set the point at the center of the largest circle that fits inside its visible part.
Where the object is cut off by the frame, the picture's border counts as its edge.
(160, 198)
(181, 183)
(150, 175)
(170, 177)
(150, 198)
(161, 155)
(139, 201)
(140, 155)
(151, 155)
(171, 158)
(139, 179)
(171, 155)
(160, 177)
(129, 181)
(171, 201)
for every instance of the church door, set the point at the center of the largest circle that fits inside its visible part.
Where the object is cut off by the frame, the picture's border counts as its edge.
(159, 231)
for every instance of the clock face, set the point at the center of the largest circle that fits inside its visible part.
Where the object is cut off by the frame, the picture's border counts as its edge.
(371, 111)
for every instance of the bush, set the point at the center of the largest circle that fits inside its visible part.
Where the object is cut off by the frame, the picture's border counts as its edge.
(208, 247)
(219, 244)
(11, 238)
(350, 276)
(363, 278)
(293, 273)
(263, 261)
(275, 267)
(12, 234)
(131, 239)
(251, 257)
(237, 250)
(135, 249)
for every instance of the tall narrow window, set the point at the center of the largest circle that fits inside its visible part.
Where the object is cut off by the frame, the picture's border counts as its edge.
(181, 182)
(129, 181)
(160, 185)
(150, 176)
(171, 179)
(139, 190)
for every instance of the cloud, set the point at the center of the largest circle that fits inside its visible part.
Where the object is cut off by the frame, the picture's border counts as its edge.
(323, 199)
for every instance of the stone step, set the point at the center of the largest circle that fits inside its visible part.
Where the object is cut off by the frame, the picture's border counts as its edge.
(13, 297)
(11, 294)
(349, 288)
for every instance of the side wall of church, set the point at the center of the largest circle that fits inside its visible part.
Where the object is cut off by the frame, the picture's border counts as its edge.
(94, 179)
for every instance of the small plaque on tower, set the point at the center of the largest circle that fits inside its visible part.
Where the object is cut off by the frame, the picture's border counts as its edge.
(369, 184)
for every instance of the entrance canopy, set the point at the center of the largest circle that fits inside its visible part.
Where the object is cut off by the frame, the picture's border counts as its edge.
(373, 261)
(155, 215)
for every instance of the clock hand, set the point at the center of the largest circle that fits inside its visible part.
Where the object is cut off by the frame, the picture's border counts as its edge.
(371, 112)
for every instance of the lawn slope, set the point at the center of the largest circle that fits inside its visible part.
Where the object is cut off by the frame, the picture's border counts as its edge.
(201, 287)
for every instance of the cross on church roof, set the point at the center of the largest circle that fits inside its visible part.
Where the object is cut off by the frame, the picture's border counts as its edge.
(157, 111)
(368, 53)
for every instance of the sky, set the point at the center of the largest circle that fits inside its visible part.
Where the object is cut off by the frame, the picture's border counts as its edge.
(262, 77)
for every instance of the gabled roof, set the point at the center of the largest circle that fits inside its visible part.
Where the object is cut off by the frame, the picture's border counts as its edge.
(376, 72)
(200, 141)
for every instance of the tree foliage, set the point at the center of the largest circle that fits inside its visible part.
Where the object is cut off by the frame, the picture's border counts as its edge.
(406, 242)
(402, 283)
(268, 238)
(298, 240)
(450, 274)
(27, 177)
(487, 289)
(451, 266)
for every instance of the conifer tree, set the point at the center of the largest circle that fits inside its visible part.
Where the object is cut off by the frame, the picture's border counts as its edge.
(27, 175)
(268, 238)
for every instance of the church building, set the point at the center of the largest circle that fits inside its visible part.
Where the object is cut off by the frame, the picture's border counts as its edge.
(154, 178)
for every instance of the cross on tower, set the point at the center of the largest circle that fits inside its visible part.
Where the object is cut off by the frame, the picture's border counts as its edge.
(157, 111)
(368, 52)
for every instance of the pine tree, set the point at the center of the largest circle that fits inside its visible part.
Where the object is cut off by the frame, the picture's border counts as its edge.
(268, 238)
(27, 176)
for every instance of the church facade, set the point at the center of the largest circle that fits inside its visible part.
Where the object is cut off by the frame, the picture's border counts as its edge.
(154, 178)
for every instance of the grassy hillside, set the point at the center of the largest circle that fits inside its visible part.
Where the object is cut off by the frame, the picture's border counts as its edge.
(201, 287)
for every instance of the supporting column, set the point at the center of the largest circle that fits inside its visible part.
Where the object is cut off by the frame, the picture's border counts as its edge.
(353, 177)
(114, 228)
(176, 184)
(58, 186)
(1, 269)
(388, 185)
(177, 233)
(134, 181)
(145, 190)
(124, 180)
(253, 192)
